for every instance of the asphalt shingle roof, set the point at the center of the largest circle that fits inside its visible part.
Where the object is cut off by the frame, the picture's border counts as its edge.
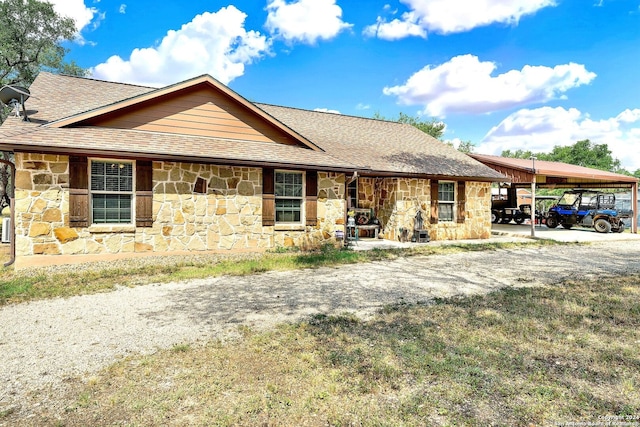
(347, 142)
(380, 145)
(106, 141)
(55, 97)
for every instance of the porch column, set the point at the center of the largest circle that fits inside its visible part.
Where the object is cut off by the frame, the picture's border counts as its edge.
(533, 196)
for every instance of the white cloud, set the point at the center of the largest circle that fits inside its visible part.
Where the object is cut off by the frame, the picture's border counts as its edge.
(76, 10)
(629, 116)
(123, 8)
(539, 130)
(454, 16)
(212, 43)
(396, 29)
(305, 21)
(466, 85)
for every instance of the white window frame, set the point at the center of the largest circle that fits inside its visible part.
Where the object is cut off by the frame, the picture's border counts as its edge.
(130, 193)
(451, 203)
(277, 197)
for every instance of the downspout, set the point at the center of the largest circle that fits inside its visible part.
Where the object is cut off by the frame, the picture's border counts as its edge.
(346, 207)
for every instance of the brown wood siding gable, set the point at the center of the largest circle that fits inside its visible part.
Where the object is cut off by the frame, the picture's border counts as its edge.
(311, 195)
(462, 202)
(268, 197)
(144, 193)
(78, 192)
(434, 202)
(198, 112)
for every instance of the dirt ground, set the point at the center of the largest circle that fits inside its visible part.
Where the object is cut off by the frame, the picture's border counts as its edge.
(44, 343)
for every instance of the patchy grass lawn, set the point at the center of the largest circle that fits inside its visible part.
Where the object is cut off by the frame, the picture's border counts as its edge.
(516, 357)
(19, 286)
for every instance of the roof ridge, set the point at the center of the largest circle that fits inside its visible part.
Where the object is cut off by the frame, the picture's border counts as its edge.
(327, 112)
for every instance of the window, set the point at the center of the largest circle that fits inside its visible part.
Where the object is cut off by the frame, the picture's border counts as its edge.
(288, 196)
(352, 194)
(111, 192)
(446, 200)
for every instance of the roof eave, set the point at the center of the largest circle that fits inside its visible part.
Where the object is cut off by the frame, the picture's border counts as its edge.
(608, 178)
(605, 176)
(173, 158)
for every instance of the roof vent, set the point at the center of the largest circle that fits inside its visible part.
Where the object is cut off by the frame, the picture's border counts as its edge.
(15, 97)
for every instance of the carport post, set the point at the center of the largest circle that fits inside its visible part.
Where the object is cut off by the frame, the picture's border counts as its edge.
(533, 197)
(634, 208)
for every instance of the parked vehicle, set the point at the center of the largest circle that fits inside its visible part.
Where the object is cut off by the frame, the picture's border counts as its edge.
(504, 215)
(585, 208)
(624, 208)
(504, 209)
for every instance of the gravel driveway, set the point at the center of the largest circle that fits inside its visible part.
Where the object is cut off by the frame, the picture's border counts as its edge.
(45, 342)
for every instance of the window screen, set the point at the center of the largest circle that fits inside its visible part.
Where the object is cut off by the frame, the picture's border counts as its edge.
(111, 192)
(289, 193)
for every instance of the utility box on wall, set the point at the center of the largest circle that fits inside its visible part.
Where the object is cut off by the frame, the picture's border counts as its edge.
(6, 230)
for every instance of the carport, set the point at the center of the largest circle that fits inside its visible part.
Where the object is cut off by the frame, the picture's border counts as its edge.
(533, 173)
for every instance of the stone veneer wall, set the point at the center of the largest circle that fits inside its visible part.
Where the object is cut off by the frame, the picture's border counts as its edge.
(397, 200)
(331, 213)
(366, 193)
(41, 203)
(332, 204)
(227, 217)
(477, 223)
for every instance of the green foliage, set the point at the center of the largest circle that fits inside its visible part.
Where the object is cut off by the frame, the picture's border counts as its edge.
(585, 153)
(582, 153)
(30, 35)
(521, 154)
(72, 69)
(431, 127)
(464, 146)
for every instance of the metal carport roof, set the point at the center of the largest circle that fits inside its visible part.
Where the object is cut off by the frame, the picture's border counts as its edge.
(524, 172)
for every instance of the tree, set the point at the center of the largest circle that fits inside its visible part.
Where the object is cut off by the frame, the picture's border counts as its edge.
(520, 154)
(466, 147)
(432, 127)
(582, 153)
(463, 146)
(585, 153)
(30, 36)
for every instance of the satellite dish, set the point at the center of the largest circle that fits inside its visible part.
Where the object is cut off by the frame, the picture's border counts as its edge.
(17, 95)
(13, 93)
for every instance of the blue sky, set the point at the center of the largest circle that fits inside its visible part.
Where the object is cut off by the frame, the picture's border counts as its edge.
(504, 74)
